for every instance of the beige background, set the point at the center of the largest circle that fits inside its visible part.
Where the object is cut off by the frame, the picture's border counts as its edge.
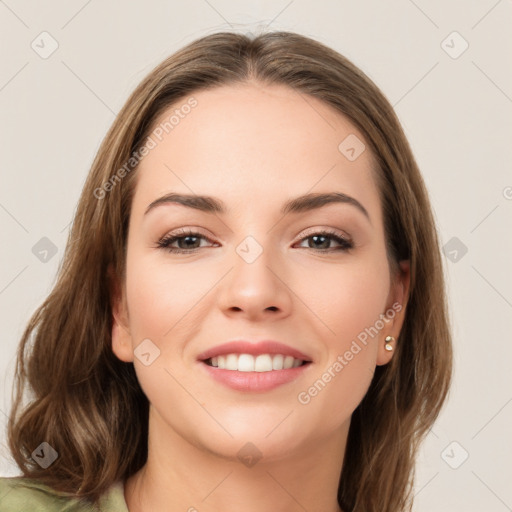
(456, 108)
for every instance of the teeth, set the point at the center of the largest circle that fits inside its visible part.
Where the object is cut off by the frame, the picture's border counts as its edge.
(277, 362)
(243, 363)
(250, 363)
(263, 363)
(231, 362)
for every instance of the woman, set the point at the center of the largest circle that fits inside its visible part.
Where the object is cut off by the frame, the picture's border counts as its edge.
(251, 312)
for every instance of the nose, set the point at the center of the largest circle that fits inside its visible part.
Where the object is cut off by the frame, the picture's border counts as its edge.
(257, 290)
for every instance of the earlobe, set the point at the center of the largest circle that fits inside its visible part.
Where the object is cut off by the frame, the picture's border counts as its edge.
(121, 337)
(385, 351)
(388, 343)
(399, 297)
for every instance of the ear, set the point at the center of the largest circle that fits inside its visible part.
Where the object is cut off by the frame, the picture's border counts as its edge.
(121, 337)
(395, 312)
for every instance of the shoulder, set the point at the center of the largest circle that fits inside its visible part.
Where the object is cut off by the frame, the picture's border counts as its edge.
(20, 494)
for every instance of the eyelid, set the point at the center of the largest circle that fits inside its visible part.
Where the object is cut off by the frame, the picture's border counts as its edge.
(184, 232)
(192, 231)
(344, 242)
(329, 230)
(189, 230)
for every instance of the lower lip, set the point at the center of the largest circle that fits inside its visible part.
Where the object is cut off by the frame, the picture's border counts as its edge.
(254, 381)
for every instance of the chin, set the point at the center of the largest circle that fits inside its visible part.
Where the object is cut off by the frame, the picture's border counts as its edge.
(265, 440)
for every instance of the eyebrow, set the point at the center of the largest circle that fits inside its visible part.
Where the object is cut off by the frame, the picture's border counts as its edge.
(299, 204)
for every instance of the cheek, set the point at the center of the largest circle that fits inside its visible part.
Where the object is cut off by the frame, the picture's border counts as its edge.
(167, 304)
(336, 390)
(352, 300)
(159, 295)
(346, 369)
(348, 298)
(163, 300)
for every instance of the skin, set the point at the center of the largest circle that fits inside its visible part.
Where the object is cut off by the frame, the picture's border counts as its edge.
(253, 147)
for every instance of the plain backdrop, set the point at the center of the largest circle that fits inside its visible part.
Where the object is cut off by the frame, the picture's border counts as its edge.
(67, 67)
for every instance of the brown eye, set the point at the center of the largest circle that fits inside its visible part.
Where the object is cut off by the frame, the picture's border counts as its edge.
(187, 242)
(190, 241)
(323, 239)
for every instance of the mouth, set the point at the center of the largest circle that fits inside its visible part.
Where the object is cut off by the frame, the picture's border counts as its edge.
(256, 374)
(259, 366)
(255, 363)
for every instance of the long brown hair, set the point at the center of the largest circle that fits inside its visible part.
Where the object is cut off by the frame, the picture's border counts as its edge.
(88, 405)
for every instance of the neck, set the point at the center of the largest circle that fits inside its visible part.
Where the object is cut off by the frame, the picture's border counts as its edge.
(180, 476)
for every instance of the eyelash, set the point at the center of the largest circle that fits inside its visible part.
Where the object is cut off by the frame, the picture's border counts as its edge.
(165, 242)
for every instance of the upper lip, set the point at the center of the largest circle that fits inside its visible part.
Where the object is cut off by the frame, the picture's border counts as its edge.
(253, 348)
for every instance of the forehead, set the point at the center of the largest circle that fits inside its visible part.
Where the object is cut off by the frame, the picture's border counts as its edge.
(254, 144)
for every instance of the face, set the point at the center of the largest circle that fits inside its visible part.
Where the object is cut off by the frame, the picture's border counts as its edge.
(253, 272)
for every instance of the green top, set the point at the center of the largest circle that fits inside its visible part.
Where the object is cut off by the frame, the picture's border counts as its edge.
(19, 494)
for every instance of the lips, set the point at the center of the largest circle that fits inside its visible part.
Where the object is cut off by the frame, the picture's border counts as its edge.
(255, 349)
(244, 366)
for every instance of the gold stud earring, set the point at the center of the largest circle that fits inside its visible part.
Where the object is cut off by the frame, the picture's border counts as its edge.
(387, 346)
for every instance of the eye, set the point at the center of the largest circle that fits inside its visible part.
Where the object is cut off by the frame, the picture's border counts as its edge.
(188, 240)
(321, 238)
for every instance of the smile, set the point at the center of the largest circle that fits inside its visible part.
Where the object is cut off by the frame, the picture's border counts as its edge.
(247, 373)
(250, 363)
